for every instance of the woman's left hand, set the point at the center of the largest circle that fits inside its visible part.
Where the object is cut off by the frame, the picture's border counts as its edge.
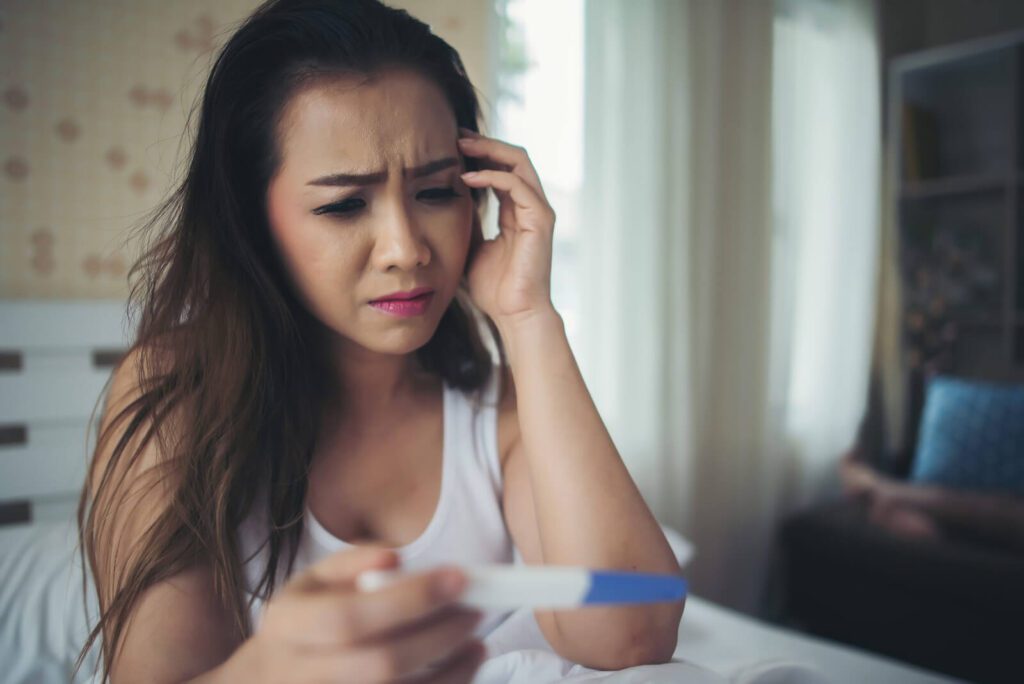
(510, 275)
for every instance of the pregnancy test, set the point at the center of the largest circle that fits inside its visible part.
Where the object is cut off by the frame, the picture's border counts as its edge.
(510, 587)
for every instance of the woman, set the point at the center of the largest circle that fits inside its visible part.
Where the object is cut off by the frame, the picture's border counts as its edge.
(309, 370)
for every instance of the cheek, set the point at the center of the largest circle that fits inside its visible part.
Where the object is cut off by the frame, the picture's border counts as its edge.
(284, 229)
(314, 256)
(293, 244)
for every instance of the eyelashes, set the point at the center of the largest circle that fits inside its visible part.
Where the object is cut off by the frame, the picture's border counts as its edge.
(353, 205)
(344, 207)
(435, 194)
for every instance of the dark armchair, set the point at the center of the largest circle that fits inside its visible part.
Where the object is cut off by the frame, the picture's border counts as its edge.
(951, 602)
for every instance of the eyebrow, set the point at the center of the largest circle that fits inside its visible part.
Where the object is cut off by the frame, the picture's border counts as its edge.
(380, 176)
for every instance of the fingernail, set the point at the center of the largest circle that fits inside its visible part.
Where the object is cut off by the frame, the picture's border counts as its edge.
(451, 584)
(466, 141)
(470, 174)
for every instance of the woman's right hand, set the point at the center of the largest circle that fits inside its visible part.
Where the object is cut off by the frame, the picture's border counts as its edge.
(320, 628)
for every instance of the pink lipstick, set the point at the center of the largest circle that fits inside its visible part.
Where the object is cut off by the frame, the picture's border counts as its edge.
(405, 304)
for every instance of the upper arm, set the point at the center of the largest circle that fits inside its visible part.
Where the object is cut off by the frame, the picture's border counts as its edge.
(177, 627)
(517, 498)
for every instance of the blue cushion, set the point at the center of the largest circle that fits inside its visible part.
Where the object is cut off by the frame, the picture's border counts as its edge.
(972, 436)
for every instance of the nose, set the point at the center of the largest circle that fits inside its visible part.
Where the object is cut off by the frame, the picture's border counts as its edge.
(399, 244)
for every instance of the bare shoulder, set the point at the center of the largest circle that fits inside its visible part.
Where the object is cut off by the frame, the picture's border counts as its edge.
(127, 483)
(123, 392)
(178, 627)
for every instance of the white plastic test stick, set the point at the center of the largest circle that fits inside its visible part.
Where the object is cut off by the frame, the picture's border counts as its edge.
(515, 586)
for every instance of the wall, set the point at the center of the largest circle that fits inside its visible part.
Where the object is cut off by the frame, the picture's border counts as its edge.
(93, 102)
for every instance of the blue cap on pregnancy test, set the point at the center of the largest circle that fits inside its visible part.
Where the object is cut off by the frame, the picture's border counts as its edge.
(547, 586)
(633, 587)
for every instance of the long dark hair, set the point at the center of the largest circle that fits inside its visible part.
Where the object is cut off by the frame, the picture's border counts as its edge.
(222, 343)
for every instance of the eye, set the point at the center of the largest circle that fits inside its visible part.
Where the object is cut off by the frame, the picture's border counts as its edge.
(437, 194)
(346, 207)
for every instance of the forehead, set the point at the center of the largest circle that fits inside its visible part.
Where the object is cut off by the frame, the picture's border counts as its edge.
(359, 123)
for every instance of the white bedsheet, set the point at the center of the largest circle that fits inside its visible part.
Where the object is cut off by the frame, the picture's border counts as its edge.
(715, 645)
(42, 624)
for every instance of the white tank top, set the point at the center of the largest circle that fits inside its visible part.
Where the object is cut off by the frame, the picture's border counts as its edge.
(467, 526)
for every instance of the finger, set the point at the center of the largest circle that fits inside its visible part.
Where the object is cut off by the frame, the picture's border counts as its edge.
(519, 192)
(502, 156)
(512, 157)
(342, 567)
(350, 666)
(345, 617)
(458, 669)
(417, 651)
(506, 210)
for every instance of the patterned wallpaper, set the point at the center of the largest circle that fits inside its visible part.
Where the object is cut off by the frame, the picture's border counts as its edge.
(93, 101)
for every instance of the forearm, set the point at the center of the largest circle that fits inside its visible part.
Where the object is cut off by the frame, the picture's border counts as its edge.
(996, 517)
(588, 508)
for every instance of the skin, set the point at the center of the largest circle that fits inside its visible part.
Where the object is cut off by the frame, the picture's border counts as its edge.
(392, 234)
(568, 498)
(929, 511)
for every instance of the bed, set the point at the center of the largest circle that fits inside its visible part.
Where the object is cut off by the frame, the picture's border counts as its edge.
(54, 359)
(43, 622)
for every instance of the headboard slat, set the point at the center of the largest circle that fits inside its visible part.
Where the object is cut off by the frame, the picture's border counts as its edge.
(57, 358)
(10, 361)
(11, 435)
(51, 463)
(107, 358)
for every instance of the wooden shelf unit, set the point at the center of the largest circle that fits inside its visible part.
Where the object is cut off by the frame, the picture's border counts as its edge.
(957, 152)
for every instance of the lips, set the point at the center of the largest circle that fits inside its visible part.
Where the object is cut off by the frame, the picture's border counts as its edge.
(405, 304)
(404, 296)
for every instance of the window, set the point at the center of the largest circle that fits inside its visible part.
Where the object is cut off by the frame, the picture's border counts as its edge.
(540, 106)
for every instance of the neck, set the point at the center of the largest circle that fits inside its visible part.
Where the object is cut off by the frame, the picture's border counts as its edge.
(369, 386)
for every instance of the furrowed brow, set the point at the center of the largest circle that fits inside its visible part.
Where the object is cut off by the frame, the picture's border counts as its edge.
(432, 167)
(345, 179)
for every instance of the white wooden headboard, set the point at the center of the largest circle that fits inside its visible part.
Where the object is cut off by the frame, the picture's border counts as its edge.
(55, 358)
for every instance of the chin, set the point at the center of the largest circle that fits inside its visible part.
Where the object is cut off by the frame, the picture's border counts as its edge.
(402, 349)
(400, 342)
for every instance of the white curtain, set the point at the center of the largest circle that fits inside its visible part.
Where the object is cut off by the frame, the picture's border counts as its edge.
(826, 207)
(725, 319)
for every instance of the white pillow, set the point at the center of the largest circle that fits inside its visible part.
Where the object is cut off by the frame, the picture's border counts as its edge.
(42, 618)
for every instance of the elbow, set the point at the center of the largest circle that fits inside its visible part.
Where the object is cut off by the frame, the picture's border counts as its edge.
(654, 651)
(632, 637)
(647, 649)
(654, 645)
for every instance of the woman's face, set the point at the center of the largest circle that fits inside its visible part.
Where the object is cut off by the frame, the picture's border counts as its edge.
(368, 202)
